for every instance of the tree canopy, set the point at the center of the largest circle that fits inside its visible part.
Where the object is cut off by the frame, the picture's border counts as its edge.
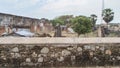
(61, 20)
(82, 25)
(57, 22)
(108, 15)
(93, 18)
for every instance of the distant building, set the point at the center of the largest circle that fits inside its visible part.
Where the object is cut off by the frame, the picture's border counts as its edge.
(114, 26)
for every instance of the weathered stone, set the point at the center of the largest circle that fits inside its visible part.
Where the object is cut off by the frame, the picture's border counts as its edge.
(97, 47)
(91, 53)
(60, 59)
(52, 55)
(102, 48)
(51, 47)
(93, 48)
(70, 48)
(40, 59)
(17, 55)
(79, 49)
(75, 46)
(12, 55)
(118, 58)
(28, 60)
(56, 54)
(65, 52)
(72, 58)
(108, 52)
(29, 46)
(87, 47)
(34, 54)
(39, 55)
(15, 49)
(44, 55)
(45, 50)
(4, 58)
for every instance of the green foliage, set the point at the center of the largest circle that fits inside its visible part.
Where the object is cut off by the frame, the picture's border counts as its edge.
(61, 20)
(82, 25)
(57, 22)
(93, 18)
(108, 15)
(65, 17)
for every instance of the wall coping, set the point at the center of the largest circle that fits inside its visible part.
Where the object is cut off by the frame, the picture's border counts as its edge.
(58, 41)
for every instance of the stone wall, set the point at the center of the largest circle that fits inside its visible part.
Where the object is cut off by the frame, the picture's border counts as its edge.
(62, 52)
(62, 56)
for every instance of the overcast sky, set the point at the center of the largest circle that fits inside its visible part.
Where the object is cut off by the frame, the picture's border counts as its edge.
(53, 8)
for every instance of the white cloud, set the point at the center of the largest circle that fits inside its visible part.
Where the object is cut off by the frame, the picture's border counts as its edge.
(55, 8)
(24, 3)
(62, 4)
(52, 8)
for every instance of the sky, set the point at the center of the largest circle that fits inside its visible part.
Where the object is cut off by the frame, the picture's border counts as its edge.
(53, 8)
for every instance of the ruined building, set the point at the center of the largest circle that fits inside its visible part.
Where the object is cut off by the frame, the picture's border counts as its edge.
(10, 23)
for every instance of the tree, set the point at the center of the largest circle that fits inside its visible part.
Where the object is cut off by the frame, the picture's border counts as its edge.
(57, 22)
(82, 25)
(108, 15)
(93, 18)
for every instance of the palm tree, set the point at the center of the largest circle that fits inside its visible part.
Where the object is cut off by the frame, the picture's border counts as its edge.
(108, 15)
(93, 19)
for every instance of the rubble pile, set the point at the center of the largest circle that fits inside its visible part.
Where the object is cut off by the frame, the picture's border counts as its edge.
(52, 56)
